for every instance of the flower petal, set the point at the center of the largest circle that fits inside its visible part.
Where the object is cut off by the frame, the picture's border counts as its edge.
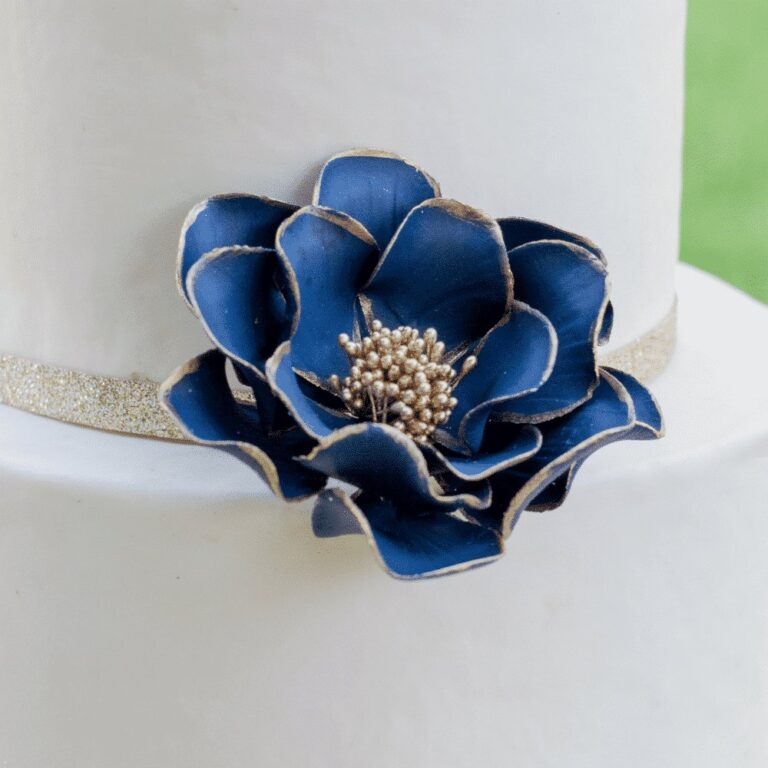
(331, 256)
(606, 417)
(606, 327)
(569, 285)
(226, 220)
(198, 396)
(407, 546)
(504, 446)
(515, 358)
(649, 423)
(383, 461)
(376, 188)
(445, 267)
(331, 517)
(554, 494)
(245, 300)
(291, 388)
(518, 231)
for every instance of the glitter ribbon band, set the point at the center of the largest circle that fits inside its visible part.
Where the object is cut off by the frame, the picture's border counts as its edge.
(130, 405)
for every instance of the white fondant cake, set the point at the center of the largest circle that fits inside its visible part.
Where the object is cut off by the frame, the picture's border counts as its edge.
(159, 607)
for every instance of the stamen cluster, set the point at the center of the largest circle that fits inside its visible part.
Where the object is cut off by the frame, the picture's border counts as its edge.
(400, 377)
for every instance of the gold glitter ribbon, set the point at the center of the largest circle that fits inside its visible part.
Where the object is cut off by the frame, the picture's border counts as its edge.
(131, 406)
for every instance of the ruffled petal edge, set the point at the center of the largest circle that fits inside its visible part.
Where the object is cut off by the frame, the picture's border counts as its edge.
(252, 455)
(488, 464)
(318, 422)
(333, 506)
(379, 227)
(424, 486)
(576, 454)
(582, 257)
(222, 253)
(281, 210)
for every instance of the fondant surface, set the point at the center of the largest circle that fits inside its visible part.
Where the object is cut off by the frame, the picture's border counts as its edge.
(118, 117)
(159, 608)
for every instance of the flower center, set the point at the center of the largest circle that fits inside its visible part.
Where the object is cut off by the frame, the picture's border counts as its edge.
(400, 377)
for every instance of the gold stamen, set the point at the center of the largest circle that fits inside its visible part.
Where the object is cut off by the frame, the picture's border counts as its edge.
(400, 374)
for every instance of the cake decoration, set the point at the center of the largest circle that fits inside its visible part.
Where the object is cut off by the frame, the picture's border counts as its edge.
(440, 362)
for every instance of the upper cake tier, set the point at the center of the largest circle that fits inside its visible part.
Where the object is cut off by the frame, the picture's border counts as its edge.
(116, 118)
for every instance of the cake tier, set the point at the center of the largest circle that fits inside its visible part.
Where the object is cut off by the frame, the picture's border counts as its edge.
(159, 608)
(118, 117)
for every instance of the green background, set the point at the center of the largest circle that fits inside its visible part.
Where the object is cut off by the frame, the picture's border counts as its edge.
(725, 179)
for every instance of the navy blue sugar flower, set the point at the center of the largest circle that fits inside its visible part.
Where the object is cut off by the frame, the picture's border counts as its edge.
(439, 361)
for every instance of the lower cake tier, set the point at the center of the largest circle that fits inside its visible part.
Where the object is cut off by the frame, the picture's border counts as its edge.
(159, 608)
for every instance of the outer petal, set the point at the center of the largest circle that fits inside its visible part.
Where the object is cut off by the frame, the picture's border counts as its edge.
(446, 267)
(606, 327)
(198, 396)
(407, 546)
(518, 231)
(226, 220)
(570, 286)
(384, 462)
(554, 494)
(516, 358)
(246, 301)
(313, 418)
(606, 417)
(505, 446)
(331, 256)
(649, 423)
(376, 188)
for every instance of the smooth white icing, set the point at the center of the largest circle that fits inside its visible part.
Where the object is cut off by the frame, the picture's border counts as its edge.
(115, 118)
(158, 608)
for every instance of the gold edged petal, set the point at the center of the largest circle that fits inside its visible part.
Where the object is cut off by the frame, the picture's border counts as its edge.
(239, 234)
(311, 416)
(376, 153)
(219, 253)
(529, 374)
(548, 473)
(538, 416)
(255, 456)
(403, 474)
(336, 496)
(484, 465)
